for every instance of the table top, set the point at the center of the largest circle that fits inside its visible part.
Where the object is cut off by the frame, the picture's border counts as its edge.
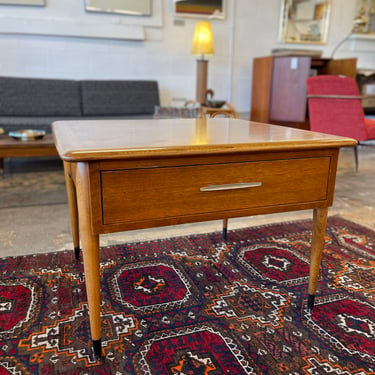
(85, 140)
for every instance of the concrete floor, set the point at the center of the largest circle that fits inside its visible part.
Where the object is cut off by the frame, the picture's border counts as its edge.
(34, 214)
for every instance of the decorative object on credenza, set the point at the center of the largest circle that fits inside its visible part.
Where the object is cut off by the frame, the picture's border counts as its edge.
(359, 23)
(202, 8)
(23, 2)
(211, 102)
(364, 22)
(126, 7)
(203, 44)
(215, 103)
(163, 112)
(304, 21)
(27, 134)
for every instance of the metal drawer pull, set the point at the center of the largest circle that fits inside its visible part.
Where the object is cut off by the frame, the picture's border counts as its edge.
(240, 185)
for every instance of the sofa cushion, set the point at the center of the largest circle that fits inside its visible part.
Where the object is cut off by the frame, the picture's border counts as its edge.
(39, 97)
(119, 97)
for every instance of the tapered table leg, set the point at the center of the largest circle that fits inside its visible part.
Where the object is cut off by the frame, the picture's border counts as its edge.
(73, 209)
(225, 229)
(319, 227)
(91, 260)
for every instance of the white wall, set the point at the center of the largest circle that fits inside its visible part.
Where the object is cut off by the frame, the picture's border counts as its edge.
(249, 30)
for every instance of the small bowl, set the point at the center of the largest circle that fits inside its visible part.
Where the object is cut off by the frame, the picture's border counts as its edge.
(215, 103)
(27, 134)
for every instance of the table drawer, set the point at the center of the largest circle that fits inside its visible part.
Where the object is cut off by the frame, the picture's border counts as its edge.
(131, 195)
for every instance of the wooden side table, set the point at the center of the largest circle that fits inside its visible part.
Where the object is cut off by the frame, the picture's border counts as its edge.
(10, 147)
(133, 174)
(226, 110)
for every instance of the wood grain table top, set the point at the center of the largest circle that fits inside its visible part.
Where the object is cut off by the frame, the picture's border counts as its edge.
(127, 139)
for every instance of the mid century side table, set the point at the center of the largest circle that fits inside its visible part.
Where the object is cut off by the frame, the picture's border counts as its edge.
(131, 174)
(10, 147)
(226, 110)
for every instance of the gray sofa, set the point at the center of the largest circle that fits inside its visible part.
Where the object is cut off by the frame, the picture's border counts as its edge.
(33, 103)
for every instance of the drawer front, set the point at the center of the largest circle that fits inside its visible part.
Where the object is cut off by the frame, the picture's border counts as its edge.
(132, 195)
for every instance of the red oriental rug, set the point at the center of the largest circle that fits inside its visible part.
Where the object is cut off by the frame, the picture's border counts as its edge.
(195, 305)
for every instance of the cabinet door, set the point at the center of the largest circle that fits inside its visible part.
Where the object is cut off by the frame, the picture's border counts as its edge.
(346, 67)
(261, 89)
(288, 95)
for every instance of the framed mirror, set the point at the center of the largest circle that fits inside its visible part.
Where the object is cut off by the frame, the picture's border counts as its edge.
(23, 2)
(304, 21)
(128, 7)
(199, 8)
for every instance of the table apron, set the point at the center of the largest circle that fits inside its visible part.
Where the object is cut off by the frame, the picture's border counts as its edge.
(132, 198)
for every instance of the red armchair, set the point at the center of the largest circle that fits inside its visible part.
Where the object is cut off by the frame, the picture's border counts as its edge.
(335, 107)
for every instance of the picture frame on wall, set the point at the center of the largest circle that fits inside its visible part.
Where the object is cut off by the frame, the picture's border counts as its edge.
(199, 8)
(23, 2)
(304, 21)
(126, 7)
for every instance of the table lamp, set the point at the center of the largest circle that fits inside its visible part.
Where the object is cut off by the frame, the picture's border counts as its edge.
(203, 44)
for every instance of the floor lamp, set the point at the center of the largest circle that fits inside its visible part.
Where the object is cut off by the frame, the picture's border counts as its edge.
(203, 44)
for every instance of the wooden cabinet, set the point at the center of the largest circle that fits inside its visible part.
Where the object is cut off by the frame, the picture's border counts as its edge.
(279, 86)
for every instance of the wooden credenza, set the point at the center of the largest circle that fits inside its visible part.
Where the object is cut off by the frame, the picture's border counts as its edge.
(279, 86)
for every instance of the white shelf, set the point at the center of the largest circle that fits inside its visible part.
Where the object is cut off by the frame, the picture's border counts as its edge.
(51, 21)
(68, 27)
(370, 36)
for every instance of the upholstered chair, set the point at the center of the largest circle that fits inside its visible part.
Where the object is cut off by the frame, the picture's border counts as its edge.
(334, 105)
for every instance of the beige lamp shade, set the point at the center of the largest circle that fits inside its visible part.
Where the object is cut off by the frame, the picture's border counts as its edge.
(203, 43)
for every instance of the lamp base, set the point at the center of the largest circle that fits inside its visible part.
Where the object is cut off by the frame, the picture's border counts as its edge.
(202, 67)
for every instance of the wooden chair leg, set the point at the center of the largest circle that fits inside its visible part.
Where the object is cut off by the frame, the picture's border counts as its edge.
(356, 157)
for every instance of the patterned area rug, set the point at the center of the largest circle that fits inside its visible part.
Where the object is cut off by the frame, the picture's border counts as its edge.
(194, 305)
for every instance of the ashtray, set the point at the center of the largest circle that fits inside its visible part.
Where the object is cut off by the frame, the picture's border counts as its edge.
(27, 134)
